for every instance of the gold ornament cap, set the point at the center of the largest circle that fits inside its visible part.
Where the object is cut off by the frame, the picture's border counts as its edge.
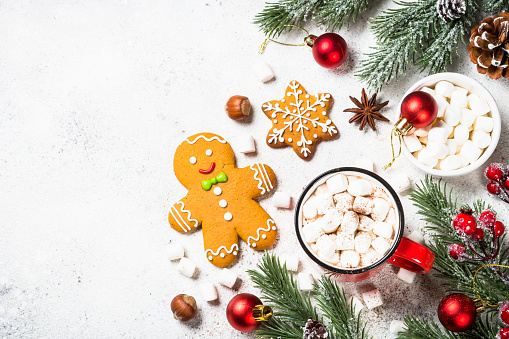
(309, 41)
(403, 126)
(262, 313)
(480, 305)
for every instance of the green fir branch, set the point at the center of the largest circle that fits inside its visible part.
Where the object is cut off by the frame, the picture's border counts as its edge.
(496, 7)
(334, 14)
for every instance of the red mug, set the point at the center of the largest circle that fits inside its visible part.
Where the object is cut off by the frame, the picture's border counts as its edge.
(404, 252)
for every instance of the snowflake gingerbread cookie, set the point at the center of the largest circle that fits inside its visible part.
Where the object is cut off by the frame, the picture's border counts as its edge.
(221, 198)
(299, 120)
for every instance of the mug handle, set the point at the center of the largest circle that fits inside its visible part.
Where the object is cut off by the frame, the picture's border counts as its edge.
(413, 257)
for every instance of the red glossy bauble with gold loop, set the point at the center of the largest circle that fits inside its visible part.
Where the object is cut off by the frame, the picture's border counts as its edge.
(329, 50)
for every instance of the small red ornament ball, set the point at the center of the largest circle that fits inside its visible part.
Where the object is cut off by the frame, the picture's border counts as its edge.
(503, 333)
(239, 312)
(499, 229)
(330, 50)
(419, 108)
(457, 312)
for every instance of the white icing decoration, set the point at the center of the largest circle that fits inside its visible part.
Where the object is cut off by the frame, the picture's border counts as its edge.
(264, 236)
(223, 203)
(283, 100)
(290, 139)
(275, 121)
(216, 253)
(315, 136)
(254, 244)
(251, 238)
(208, 152)
(235, 253)
(218, 190)
(222, 255)
(192, 160)
(206, 139)
(298, 117)
(210, 257)
(262, 177)
(180, 220)
(228, 216)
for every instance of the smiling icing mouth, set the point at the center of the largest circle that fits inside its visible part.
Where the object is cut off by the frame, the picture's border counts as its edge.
(207, 171)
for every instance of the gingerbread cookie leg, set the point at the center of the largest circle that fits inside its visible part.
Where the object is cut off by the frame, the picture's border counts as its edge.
(257, 228)
(221, 244)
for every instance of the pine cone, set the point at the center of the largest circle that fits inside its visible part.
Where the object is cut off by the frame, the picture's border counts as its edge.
(489, 46)
(314, 330)
(449, 10)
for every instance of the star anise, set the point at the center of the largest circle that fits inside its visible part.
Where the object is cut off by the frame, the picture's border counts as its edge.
(367, 111)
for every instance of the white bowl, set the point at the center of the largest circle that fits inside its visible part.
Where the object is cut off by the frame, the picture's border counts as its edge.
(474, 87)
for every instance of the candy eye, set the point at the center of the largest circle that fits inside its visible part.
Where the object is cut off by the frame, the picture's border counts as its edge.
(208, 152)
(192, 160)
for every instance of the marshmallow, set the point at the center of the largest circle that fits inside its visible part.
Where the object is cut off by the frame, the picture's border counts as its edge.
(364, 163)
(350, 222)
(208, 291)
(345, 241)
(369, 257)
(427, 158)
(417, 237)
(372, 299)
(344, 201)
(331, 220)
(309, 208)
(444, 88)
(356, 305)
(459, 98)
(227, 278)
(326, 248)
(380, 245)
(305, 281)
(282, 200)
(412, 143)
(382, 229)
(438, 150)
(480, 106)
(464, 161)
(467, 117)
(442, 105)
(452, 145)
(428, 90)
(438, 134)
(461, 134)
(246, 144)
(323, 203)
(263, 72)
(362, 242)
(400, 183)
(470, 151)
(391, 217)
(481, 139)
(452, 115)
(397, 326)
(291, 261)
(450, 163)
(365, 223)
(406, 276)
(446, 126)
(186, 267)
(422, 132)
(363, 205)
(380, 209)
(174, 251)
(350, 259)
(472, 97)
(322, 189)
(337, 183)
(360, 187)
(484, 124)
(313, 230)
(424, 140)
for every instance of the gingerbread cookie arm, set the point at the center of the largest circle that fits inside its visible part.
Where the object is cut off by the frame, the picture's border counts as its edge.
(259, 179)
(220, 241)
(181, 218)
(256, 228)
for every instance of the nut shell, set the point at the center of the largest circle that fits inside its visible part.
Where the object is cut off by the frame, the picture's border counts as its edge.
(238, 107)
(184, 307)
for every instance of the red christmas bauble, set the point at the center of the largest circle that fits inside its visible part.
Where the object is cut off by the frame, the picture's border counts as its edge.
(503, 333)
(330, 50)
(239, 312)
(457, 312)
(419, 108)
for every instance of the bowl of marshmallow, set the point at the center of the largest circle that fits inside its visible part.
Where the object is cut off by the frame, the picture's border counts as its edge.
(465, 132)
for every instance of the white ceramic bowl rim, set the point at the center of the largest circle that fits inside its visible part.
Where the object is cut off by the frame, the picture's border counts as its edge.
(472, 86)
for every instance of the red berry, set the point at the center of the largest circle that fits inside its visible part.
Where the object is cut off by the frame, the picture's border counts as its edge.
(493, 188)
(456, 250)
(493, 172)
(503, 333)
(465, 222)
(478, 234)
(488, 218)
(499, 229)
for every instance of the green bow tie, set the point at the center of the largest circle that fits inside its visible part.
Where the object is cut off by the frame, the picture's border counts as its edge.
(207, 184)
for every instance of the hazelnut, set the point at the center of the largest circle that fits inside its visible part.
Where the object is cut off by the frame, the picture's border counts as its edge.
(238, 107)
(184, 307)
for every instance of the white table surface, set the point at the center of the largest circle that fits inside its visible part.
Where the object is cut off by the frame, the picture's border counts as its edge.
(94, 98)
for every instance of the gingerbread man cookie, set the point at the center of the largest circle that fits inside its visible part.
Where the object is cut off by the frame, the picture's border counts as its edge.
(299, 120)
(221, 198)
